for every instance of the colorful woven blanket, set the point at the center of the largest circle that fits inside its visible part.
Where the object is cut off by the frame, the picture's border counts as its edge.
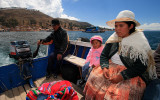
(56, 90)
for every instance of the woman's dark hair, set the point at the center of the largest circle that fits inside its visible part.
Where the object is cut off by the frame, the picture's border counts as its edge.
(129, 24)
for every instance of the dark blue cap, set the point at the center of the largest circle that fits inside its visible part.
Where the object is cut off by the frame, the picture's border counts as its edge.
(55, 22)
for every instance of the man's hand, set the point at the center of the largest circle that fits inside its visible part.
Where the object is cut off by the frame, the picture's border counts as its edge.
(105, 73)
(39, 42)
(59, 56)
(116, 78)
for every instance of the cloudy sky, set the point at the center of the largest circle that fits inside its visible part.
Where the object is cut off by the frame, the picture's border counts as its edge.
(96, 12)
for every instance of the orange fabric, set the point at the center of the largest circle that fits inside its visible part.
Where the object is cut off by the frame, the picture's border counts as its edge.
(100, 88)
(48, 43)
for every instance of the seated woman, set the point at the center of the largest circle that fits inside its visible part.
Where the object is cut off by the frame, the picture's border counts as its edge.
(126, 62)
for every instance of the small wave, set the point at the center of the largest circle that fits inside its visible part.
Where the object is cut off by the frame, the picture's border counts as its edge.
(41, 54)
(6, 60)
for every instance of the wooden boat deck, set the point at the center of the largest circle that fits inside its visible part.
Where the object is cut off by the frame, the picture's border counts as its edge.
(19, 93)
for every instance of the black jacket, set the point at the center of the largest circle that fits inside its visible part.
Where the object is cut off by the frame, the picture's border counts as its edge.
(60, 40)
(134, 68)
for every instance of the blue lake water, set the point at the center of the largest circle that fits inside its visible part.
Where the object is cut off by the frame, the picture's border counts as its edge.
(32, 37)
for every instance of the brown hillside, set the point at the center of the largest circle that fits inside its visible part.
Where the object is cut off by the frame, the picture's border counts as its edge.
(23, 19)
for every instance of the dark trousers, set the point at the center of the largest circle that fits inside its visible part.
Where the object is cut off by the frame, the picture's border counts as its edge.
(53, 64)
(152, 91)
(26, 70)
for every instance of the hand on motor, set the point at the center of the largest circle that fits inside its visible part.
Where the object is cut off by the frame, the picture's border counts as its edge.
(59, 56)
(116, 78)
(39, 42)
(105, 73)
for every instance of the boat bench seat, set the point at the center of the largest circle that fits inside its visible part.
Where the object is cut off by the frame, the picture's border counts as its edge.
(75, 60)
(77, 57)
(80, 62)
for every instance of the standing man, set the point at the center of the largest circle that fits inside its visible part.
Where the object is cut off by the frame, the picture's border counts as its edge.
(61, 40)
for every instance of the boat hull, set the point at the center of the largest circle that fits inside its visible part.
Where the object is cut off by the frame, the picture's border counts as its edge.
(10, 76)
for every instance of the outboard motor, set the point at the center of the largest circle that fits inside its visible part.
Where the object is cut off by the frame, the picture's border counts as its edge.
(21, 52)
(20, 49)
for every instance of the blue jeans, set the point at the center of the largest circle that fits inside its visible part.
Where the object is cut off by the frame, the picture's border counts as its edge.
(86, 71)
(152, 91)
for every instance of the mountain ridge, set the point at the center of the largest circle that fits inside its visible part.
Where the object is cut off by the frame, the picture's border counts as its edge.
(23, 19)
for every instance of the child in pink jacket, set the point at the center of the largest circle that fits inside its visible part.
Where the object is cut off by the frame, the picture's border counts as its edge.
(93, 57)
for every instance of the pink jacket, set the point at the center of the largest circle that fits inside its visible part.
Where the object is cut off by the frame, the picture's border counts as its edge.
(94, 56)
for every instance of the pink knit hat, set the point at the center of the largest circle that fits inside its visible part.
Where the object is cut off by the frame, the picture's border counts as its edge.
(96, 37)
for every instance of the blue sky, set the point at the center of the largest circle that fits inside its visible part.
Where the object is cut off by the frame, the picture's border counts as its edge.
(96, 12)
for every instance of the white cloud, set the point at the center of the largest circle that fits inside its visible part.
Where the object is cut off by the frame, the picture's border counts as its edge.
(69, 17)
(152, 26)
(104, 26)
(50, 7)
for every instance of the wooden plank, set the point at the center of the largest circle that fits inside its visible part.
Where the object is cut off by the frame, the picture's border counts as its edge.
(80, 62)
(79, 91)
(57, 79)
(42, 80)
(60, 77)
(81, 97)
(27, 88)
(16, 94)
(75, 60)
(2, 96)
(36, 83)
(22, 92)
(9, 95)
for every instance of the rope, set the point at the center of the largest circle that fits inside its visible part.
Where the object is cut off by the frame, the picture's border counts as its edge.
(4, 86)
